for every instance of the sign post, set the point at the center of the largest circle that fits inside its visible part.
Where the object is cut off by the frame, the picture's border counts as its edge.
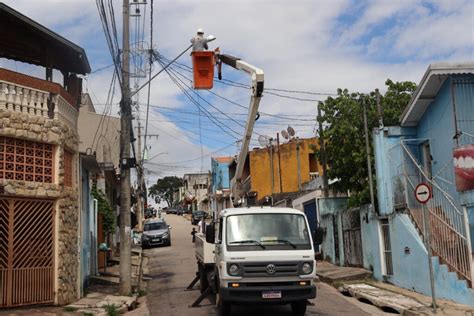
(423, 195)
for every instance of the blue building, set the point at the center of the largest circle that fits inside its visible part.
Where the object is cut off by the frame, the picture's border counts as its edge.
(220, 182)
(434, 144)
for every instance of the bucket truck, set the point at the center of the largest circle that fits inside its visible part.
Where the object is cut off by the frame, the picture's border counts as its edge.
(255, 255)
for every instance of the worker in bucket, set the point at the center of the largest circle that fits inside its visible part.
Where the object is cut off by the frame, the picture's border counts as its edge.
(199, 41)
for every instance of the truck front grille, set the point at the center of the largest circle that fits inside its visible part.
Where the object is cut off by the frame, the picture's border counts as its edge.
(265, 269)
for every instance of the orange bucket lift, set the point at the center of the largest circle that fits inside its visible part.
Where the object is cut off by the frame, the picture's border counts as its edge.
(203, 69)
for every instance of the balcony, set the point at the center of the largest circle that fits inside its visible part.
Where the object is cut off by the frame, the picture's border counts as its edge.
(37, 97)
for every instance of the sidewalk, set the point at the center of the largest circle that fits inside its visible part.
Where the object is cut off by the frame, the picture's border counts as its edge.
(102, 296)
(358, 283)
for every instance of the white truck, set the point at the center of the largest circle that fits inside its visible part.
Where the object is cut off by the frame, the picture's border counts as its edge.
(255, 254)
(259, 255)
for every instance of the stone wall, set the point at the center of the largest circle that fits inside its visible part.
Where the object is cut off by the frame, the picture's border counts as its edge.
(41, 129)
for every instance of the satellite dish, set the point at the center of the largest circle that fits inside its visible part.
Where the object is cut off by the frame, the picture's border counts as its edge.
(285, 134)
(291, 131)
(263, 140)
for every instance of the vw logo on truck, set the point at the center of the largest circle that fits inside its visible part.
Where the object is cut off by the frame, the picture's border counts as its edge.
(271, 269)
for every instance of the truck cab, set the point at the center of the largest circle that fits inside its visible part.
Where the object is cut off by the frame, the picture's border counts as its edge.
(263, 255)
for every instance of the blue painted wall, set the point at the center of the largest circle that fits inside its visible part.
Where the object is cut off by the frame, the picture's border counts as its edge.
(220, 175)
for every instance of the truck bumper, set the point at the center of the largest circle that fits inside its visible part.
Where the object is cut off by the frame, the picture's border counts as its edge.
(253, 295)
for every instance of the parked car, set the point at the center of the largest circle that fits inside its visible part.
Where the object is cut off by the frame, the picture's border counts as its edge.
(196, 216)
(171, 211)
(156, 232)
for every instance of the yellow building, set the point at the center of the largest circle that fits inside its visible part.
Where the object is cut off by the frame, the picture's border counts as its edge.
(283, 163)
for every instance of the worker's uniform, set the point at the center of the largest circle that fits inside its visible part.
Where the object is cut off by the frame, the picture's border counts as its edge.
(199, 43)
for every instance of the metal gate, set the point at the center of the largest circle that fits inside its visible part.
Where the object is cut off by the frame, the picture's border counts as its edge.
(352, 238)
(26, 251)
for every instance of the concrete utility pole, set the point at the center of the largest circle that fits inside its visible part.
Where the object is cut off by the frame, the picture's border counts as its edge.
(125, 128)
(140, 171)
(279, 164)
(323, 153)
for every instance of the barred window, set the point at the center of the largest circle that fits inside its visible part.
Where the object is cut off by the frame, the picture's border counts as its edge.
(26, 160)
(68, 169)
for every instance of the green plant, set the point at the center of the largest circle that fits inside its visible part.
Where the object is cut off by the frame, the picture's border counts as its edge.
(104, 208)
(111, 310)
(69, 309)
(141, 293)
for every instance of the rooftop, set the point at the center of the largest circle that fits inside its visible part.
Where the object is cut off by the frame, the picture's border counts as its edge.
(35, 44)
(428, 88)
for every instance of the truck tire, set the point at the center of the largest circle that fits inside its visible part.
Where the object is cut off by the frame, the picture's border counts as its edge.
(223, 308)
(298, 308)
(203, 281)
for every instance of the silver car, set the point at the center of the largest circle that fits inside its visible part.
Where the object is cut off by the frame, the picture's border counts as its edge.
(155, 233)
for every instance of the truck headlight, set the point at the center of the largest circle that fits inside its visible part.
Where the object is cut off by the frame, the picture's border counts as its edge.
(233, 269)
(306, 268)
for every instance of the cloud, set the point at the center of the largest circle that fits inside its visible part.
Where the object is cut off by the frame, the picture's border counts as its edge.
(301, 45)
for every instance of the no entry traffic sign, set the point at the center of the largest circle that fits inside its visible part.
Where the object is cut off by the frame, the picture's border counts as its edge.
(423, 193)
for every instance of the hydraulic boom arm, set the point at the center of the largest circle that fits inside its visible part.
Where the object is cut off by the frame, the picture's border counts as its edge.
(257, 90)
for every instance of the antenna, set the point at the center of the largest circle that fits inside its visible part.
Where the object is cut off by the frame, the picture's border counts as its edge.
(264, 140)
(285, 134)
(291, 131)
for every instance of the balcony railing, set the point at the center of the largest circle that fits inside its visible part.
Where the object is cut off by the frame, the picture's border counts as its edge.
(33, 96)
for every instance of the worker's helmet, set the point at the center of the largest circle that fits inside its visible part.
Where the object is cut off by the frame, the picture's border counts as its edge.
(200, 31)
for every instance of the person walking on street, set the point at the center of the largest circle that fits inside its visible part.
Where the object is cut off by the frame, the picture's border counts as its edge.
(199, 42)
(193, 233)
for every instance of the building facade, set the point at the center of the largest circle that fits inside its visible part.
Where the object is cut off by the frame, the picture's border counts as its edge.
(433, 145)
(39, 250)
(220, 183)
(196, 190)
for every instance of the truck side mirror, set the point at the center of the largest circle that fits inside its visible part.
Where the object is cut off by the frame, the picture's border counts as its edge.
(318, 235)
(210, 234)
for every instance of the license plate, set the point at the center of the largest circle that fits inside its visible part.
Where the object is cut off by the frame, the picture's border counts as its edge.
(156, 240)
(271, 294)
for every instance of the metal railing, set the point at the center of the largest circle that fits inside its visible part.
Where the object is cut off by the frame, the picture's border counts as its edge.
(447, 222)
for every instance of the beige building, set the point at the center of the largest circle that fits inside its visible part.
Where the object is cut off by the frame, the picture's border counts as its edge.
(196, 190)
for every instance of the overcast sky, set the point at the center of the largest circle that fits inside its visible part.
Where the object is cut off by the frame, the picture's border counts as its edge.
(314, 46)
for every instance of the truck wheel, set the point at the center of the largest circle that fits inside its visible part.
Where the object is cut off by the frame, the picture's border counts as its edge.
(223, 308)
(298, 308)
(203, 282)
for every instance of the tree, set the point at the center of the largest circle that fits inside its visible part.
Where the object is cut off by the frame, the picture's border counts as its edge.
(344, 136)
(164, 189)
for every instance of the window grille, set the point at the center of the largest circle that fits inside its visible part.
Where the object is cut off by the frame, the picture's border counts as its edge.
(68, 170)
(387, 248)
(25, 160)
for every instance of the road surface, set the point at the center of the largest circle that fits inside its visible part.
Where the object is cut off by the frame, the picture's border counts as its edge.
(173, 268)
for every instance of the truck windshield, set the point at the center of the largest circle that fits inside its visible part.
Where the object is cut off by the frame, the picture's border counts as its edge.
(267, 232)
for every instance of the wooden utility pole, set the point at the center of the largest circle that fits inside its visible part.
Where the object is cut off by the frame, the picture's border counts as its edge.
(125, 129)
(367, 148)
(379, 107)
(322, 146)
(279, 163)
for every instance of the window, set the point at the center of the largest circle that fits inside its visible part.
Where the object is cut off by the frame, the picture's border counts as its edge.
(68, 169)
(25, 160)
(387, 248)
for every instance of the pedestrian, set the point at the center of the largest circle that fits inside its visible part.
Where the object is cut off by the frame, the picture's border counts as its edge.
(199, 42)
(193, 233)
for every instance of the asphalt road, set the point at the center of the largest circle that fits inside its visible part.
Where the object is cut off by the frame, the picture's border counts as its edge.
(173, 268)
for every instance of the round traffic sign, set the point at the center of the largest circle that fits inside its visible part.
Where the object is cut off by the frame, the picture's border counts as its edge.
(423, 193)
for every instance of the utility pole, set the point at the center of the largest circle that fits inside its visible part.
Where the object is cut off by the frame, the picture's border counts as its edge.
(323, 153)
(379, 108)
(298, 163)
(367, 148)
(140, 171)
(125, 129)
(279, 163)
